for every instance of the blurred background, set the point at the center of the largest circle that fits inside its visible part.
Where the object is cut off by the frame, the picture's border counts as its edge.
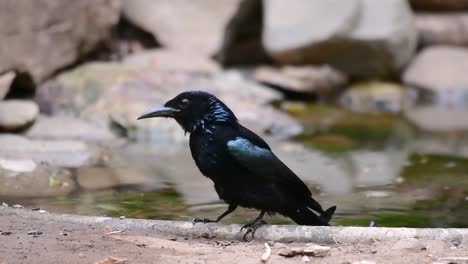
(366, 100)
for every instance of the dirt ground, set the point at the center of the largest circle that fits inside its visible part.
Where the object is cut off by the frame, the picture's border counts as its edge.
(65, 242)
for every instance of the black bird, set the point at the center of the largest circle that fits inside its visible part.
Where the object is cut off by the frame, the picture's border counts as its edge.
(242, 166)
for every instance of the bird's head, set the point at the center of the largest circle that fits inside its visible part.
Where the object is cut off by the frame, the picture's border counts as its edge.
(193, 110)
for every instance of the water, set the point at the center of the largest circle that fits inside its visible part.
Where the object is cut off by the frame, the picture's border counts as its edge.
(372, 166)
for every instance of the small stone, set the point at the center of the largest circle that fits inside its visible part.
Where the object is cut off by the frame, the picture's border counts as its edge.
(5, 204)
(287, 252)
(17, 114)
(305, 259)
(315, 80)
(364, 262)
(5, 233)
(122, 217)
(451, 164)
(316, 251)
(42, 211)
(373, 96)
(18, 206)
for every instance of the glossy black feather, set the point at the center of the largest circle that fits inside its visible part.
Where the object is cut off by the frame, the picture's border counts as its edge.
(242, 166)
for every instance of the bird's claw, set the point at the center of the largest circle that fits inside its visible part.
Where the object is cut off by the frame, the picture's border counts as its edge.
(251, 228)
(202, 220)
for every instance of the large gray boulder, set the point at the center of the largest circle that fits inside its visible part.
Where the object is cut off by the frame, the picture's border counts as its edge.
(439, 69)
(117, 93)
(17, 114)
(64, 153)
(364, 38)
(312, 80)
(442, 29)
(61, 127)
(195, 25)
(42, 36)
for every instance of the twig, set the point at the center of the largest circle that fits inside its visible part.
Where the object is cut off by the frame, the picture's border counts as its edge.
(336, 242)
(267, 253)
(115, 232)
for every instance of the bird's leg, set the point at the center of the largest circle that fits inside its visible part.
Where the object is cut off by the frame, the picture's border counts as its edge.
(230, 209)
(252, 227)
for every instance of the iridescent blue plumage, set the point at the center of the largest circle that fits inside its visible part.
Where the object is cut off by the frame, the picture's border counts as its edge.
(242, 166)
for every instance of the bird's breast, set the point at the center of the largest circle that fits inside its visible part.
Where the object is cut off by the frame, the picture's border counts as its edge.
(207, 153)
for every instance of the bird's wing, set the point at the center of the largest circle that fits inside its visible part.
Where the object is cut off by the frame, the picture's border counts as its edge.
(263, 163)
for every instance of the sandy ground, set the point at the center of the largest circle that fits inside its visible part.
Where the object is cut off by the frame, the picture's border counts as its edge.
(66, 242)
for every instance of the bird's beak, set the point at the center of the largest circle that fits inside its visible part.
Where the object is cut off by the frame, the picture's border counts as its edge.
(159, 111)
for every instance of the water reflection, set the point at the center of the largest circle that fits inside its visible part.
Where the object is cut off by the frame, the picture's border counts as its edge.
(374, 167)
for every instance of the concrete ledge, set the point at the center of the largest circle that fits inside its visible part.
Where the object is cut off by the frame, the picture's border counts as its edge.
(283, 233)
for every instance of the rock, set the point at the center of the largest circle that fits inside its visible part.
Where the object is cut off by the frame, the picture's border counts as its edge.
(96, 178)
(316, 250)
(442, 29)
(195, 25)
(17, 114)
(373, 96)
(364, 262)
(54, 153)
(74, 90)
(123, 105)
(310, 250)
(438, 119)
(381, 35)
(117, 93)
(242, 40)
(52, 127)
(172, 61)
(5, 82)
(440, 5)
(36, 182)
(315, 80)
(18, 165)
(52, 33)
(440, 69)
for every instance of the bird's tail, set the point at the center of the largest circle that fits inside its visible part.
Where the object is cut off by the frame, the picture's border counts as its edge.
(304, 216)
(327, 215)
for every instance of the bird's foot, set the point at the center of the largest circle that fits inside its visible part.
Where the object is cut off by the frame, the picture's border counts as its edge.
(251, 228)
(203, 220)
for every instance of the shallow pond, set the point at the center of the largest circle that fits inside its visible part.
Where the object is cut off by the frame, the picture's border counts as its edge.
(372, 166)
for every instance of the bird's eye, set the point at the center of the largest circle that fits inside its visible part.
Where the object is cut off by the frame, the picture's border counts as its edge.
(184, 103)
